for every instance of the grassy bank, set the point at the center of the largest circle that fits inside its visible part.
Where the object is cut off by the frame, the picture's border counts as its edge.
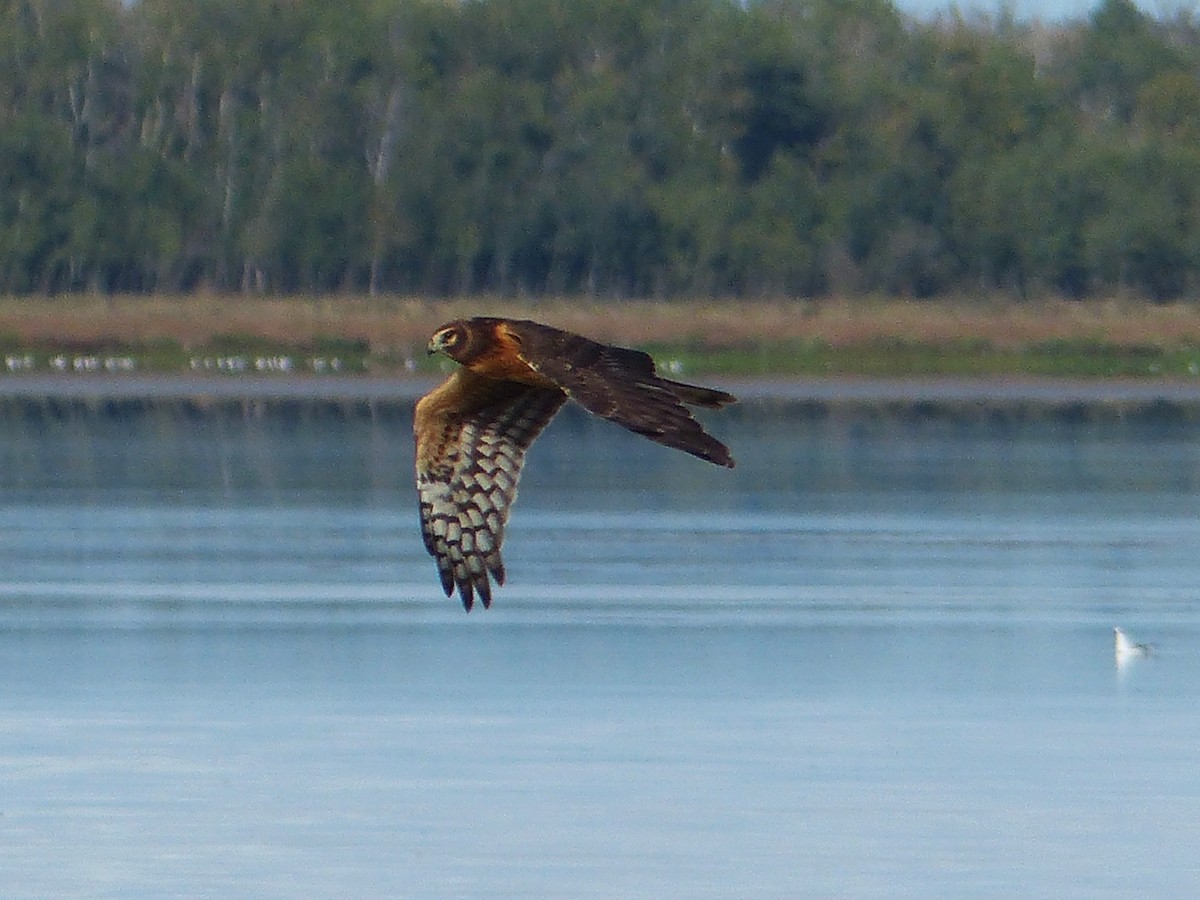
(357, 334)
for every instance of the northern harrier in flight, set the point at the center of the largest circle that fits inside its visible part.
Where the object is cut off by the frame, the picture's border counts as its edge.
(472, 430)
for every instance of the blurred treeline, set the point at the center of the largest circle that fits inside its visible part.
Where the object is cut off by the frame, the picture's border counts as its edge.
(603, 147)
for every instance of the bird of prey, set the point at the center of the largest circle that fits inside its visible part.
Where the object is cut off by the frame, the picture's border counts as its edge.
(472, 430)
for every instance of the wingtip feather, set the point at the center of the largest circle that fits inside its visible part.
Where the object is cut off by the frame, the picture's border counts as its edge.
(484, 590)
(467, 594)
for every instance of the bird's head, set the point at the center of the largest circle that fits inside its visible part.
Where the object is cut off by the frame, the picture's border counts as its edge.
(451, 339)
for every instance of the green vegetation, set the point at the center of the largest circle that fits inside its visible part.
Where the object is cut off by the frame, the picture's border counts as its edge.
(244, 354)
(348, 334)
(235, 355)
(595, 148)
(899, 359)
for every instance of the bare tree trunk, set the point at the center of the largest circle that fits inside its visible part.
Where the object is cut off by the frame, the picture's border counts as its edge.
(227, 129)
(194, 134)
(379, 163)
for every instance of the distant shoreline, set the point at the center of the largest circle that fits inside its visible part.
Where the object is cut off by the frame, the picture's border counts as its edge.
(796, 342)
(402, 389)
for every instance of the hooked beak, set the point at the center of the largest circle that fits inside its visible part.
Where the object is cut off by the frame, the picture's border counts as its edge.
(435, 346)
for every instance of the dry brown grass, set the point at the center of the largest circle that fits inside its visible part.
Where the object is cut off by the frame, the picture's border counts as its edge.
(392, 324)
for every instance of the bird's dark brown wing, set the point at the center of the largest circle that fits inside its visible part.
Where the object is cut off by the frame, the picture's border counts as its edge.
(621, 385)
(471, 436)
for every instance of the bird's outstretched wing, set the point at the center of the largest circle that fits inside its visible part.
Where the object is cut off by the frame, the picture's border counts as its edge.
(471, 436)
(622, 385)
(472, 430)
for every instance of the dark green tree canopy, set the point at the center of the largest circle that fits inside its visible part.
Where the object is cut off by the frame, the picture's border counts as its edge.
(615, 148)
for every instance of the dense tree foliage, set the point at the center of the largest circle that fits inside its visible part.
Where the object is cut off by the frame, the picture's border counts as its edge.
(607, 147)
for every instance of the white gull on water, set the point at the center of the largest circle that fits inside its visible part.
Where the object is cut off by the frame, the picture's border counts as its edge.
(1126, 649)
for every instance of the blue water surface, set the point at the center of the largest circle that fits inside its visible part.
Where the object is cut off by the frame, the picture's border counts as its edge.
(875, 660)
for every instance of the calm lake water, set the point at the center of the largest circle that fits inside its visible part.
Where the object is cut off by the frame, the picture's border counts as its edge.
(875, 660)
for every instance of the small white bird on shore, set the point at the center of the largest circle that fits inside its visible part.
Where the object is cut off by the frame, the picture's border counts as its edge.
(1126, 649)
